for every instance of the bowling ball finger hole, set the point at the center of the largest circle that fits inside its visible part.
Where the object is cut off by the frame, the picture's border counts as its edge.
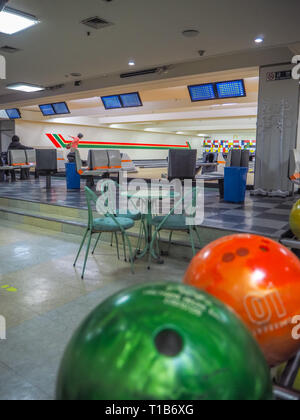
(169, 343)
(229, 257)
(264, 249)
(243, 252)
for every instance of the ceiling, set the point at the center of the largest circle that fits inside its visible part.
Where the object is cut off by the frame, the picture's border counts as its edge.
(150, 32)
(167, 108)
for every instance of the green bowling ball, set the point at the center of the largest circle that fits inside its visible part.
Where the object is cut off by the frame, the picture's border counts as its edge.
(163, 341)
(295, 219)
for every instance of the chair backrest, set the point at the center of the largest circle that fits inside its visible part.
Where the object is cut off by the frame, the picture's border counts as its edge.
(90, 160)
(114, 159)
(91, 197)
(100, 160)
(127, 163)
(30, 157)
(17, 158)
(238, 158)
(294, 166)
(60, 160)
(182, 164)
(78, 162)
(46, 160)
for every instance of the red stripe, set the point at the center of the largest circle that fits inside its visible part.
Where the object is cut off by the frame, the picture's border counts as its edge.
(132, 144)
(62, 138)
(50, 136)
(56, 144)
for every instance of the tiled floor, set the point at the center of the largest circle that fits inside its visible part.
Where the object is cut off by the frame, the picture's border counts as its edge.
(50, 300)
(259, 215)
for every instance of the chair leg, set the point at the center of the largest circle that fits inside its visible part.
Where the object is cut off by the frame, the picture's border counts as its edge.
(81, 246)
(130, 252)
(192, 241)
(96, 243)
(198, 236)
(87, 254)
(124, 247)
(112, 239)
(117, 243)
(140, 238)
(157, 245)
(151, 250)
(170, 241)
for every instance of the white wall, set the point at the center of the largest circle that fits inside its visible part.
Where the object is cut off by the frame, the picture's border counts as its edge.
(34, 134)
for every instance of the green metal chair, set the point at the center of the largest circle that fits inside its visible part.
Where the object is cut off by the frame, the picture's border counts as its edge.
(136, 217)
(107, 224)
(173, 222)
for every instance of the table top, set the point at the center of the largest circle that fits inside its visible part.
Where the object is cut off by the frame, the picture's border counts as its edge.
(150, 195)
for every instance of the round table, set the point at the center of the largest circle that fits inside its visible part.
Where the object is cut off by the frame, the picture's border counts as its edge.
(150, 197)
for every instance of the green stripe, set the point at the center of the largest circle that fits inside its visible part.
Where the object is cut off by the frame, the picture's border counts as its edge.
(103, 146)
(58, 139)
(92, 146)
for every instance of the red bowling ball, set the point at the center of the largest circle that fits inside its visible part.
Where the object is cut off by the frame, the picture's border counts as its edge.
(260, 280)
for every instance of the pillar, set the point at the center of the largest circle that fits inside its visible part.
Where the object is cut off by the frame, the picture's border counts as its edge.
(277, 126)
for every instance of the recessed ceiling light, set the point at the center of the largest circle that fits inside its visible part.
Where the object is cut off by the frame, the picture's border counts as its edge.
(25, 87)
(259, 40)
(190, 33)
(131, 63)
(13, 21)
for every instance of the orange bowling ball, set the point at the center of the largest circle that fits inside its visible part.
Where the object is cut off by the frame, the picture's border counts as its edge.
(260, 280)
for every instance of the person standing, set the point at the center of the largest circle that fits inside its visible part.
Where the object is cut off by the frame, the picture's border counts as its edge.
(74, 146)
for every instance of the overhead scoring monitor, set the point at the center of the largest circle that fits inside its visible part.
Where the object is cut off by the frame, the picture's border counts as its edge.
(204, 92)
(61, 108)
(231, 89)
(13, 114)
(131, 100)
(47, 110)
(111, 102)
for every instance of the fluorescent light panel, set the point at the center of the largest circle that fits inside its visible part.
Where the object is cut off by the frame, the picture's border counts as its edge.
(25, 87)
(13, 21)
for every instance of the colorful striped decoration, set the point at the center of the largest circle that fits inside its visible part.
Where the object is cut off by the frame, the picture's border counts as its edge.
(61, 143)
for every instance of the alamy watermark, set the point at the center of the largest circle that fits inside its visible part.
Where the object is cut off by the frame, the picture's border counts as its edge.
(157, 198)
(296, 329)
(2, 328)
(296, 69)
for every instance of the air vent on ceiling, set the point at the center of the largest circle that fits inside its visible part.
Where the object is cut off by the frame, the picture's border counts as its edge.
(96, 23)
(10, 50)
(139, 73)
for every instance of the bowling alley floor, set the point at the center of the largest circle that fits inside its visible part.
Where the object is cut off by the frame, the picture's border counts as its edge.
(43, 300)
(258, 215)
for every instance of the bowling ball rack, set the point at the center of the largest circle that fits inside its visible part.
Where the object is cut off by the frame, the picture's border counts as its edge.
(289, 240)
(283, 390)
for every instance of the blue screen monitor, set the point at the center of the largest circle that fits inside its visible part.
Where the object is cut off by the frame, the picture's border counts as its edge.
(61, 108)
(131, 100)
(13, 114)
(47, 110)
(202, 92)
(111, 102)
(232, 89)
